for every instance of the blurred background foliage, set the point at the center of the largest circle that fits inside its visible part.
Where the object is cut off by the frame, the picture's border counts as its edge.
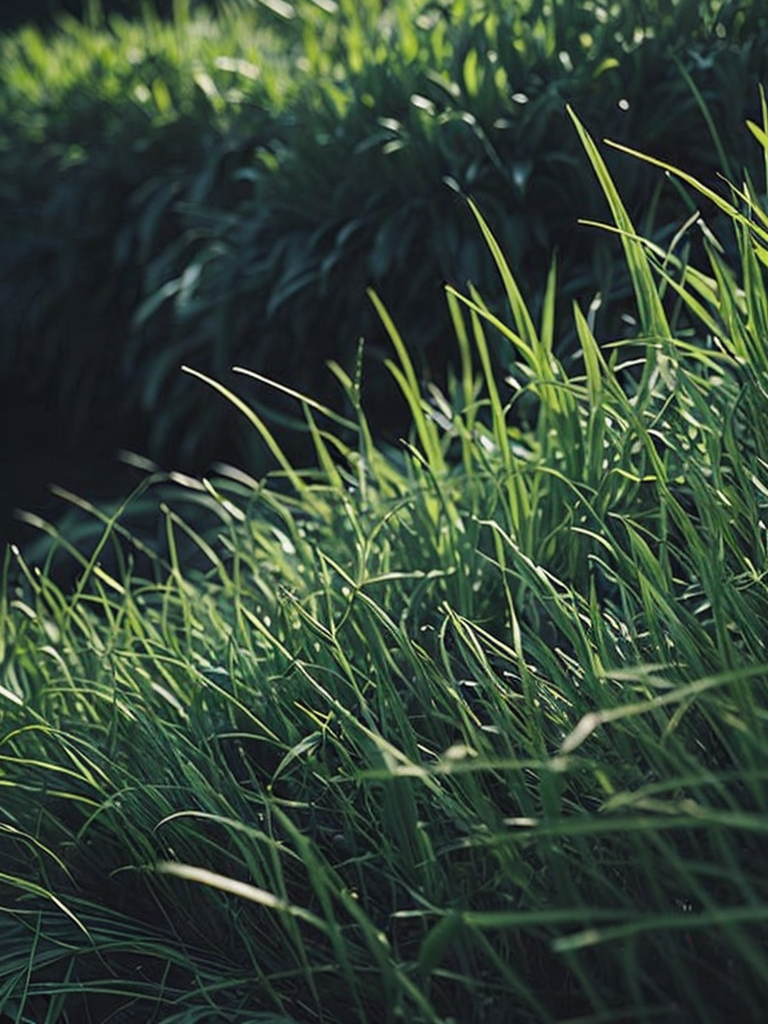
(217, 184)
(46, 12)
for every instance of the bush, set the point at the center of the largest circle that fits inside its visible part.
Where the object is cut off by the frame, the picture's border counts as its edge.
(130, 129)
(47, 12)
(472, 730)
(216, 194)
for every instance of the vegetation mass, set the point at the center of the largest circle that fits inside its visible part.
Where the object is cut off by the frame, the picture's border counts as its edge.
(471, 727)
(222, 190)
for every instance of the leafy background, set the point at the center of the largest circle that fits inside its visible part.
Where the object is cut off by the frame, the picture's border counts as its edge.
(220, 187)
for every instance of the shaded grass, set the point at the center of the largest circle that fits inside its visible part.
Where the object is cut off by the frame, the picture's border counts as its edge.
(469, 730)
(223, 189)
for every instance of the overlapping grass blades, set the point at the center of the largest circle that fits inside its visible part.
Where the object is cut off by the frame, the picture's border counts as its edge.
(474, 730)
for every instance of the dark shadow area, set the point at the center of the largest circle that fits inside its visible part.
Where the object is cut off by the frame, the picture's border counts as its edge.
(44, 12)
(35, 455)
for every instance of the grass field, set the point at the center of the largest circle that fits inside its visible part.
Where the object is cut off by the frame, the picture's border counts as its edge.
(469, 729)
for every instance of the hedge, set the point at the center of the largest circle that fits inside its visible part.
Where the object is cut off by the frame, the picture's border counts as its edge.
(216, 191)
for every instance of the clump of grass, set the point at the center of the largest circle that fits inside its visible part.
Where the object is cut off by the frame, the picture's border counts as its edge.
(471, 730)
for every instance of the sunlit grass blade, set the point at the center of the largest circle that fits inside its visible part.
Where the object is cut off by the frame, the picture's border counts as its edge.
(653, 319)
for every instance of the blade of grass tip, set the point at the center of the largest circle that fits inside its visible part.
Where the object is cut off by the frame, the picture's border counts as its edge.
(231, 509)
(467, 412)
(649, 922)
(714, 197)
(90, 565)
(324, 457)
(266, 434)
(335, 417)
(756, 299)
(36, 845)
(705, 113)
(762, 137)
(594, 363)
(728, 306)
(207, 549)
(652, 316)
(405, 375)
(469, 408)
(436, 942)
(25, 885)
(352, 387)
(243, 890)
(478, 306)
(425, 429)
(465, 352)
(662, 258)
(183, 593)
(547, 333)
(517, 303)
(761, 134)
(318, 437)
(594, 449)
(593, 720)
(692, 285)
(489, 379)
(366, 449)
(112, 523)
(518, 497)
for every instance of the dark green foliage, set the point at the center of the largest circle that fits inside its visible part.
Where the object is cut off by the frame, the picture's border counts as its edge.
(46, 12)
(166, 206)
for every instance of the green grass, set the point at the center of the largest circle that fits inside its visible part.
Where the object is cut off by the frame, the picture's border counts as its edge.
(473, 729)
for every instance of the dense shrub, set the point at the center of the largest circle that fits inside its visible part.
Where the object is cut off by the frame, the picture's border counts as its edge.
(224, 192)
(90, 177)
